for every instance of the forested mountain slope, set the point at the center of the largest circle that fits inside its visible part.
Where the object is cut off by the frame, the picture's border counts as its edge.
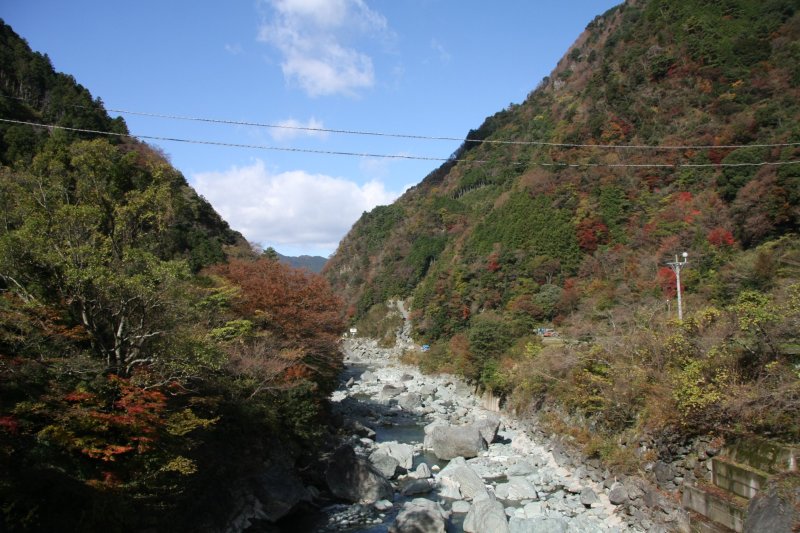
(33, 92)
(669, 126)
(150, 365)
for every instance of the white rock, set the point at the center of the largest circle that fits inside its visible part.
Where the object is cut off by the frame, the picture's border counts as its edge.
(382, 505)
(460, 506)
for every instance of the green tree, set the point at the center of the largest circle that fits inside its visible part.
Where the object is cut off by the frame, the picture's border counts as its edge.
(78, 218)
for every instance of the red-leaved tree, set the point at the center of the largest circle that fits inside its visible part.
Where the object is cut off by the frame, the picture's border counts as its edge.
(720, 237)
(296, 310)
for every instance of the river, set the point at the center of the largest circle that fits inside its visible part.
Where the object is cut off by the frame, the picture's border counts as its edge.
(520, 488)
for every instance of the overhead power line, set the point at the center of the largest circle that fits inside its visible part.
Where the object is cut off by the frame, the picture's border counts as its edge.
(392, 156)
(439, 138)
(520, 142)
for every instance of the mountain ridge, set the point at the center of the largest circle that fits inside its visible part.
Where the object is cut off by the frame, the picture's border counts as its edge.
(313, 263)
(666, 127)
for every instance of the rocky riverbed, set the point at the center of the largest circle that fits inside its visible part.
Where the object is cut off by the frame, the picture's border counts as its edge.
(424, 455)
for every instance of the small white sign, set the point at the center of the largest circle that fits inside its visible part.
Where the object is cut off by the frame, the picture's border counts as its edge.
(353, 331)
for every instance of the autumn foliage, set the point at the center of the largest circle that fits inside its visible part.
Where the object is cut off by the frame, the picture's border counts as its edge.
(668, 282)
(720, 237)
(295, 305)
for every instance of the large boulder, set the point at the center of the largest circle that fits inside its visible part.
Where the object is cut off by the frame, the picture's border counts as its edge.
(385, 463)
(448, 488)
(618, 494)
(423, 471)
(469, 483)
(428, 439)
(355, 479)
(488, 427)
(588, 497)
(413, 486)
(390, 391)
(486, 515)
(449, 442)
(279, 490)
(404, 453)
(409, 401)
(776, 509)
(360, 429)
(664, 472)
(419, 516)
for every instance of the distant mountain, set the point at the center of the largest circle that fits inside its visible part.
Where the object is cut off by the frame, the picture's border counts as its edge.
(314, 263)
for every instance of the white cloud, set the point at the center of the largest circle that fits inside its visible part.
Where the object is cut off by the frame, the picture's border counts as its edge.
(313, 38)
(289, 210)
(291, 129)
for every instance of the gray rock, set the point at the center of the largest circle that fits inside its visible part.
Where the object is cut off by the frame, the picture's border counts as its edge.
(422, 471)
(360, 429)
(404, 453)
(488, 427)
(654, 500)
(428, 440)
(409, 401)
(449, 488)
(385, 463)
(279, 490)
(462, 389)
(427, 390)
(770, 511)
(449, 442)
(534, 509)
(460, 506)
(390, 391)
(636, 487)
(444, 394)
(419, 516)
(664, 472)
(417, 486)
(350, 382)
(383, 505)
(618, 494)
(520, 468)
(486, 515)
(518, 488)
(407, 377)
(354, 479)
(468, 481)
(367, 377)
(588, 497)
(539, 524)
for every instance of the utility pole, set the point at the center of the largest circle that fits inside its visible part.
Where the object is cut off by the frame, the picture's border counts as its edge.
(676, 267)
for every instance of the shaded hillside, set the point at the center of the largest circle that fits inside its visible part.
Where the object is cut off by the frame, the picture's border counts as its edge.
(31, 91)
(151, 367)
(668, 126)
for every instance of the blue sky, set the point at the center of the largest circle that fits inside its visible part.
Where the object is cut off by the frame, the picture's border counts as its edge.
(422, 67)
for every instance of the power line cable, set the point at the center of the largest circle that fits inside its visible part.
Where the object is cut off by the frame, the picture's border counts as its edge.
(395, 156)
(431, 137)
(458, 139)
